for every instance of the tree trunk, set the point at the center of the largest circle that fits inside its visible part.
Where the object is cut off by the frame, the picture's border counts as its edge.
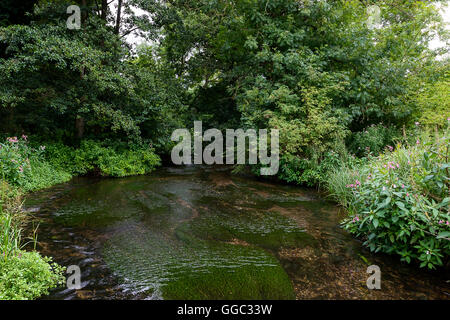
(104, 10)
(79, 125)
(119, 11)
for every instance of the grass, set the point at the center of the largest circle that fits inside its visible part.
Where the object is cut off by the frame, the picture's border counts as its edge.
(23, 275)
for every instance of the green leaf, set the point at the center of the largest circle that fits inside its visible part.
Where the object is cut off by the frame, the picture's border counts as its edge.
(375, 223)
(445, 234)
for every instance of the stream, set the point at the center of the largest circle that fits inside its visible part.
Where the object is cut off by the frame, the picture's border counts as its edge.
(201, 232)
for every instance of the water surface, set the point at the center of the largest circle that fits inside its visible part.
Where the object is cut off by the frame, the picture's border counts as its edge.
(203, 233)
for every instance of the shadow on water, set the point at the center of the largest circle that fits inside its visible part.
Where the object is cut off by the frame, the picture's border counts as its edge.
(201, 233)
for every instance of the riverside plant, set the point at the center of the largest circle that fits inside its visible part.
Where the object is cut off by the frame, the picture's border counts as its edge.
(23, 274)
(15, 155)
(399, 202)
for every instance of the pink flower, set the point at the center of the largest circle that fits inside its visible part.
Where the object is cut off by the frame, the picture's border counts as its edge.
(24, 137)
(403, 186)
(390, 148)
(407, 194)
(441, 221)
(417, 142)
(417, 123)
(13, 140)
(20, 169)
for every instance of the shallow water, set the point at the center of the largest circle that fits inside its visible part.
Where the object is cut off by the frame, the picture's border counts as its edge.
(202, 233)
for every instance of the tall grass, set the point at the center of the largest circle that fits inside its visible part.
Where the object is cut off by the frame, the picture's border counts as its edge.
(11, 220)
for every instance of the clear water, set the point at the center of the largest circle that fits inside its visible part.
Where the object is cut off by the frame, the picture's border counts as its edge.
(194, 232)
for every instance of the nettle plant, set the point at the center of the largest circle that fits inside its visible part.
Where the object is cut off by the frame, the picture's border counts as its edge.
(402, 205)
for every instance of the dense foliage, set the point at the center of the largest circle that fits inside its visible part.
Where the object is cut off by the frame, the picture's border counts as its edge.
(342, 86)
(399, 201)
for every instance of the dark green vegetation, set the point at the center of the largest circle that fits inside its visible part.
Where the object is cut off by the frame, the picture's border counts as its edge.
(339, 89)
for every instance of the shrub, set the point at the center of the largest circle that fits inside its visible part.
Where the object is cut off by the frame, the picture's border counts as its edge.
(14, 160)
(25, 167)
(372, 140)
(398, 202)
(315, 170)
(94, 156)
(27, 275)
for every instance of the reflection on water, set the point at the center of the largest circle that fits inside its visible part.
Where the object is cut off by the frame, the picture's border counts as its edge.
(199, 232)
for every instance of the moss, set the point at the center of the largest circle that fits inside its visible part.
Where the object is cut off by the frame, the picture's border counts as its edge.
(244, 283)
(192, 268)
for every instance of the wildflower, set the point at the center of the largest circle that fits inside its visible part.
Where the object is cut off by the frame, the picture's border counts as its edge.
(42, 148)
(428, 252)
(384, 188)
(13, 139)
(390, 148)
(417, 142)
(441, 221)
(24, 137)
(447, 223)
(417, 123)
(403, 186)
(407, 194)
(21, 169)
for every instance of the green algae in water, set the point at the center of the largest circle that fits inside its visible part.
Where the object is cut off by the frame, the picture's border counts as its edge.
(269, 230)
(195, 269)
(168, 238)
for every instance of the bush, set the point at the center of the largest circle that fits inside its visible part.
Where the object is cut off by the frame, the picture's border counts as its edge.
(398, 202)
(315, 170)
(25, 167)
(93, 156)
(43, 166)
(372, 140)
(14, 160)
(27, 275)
